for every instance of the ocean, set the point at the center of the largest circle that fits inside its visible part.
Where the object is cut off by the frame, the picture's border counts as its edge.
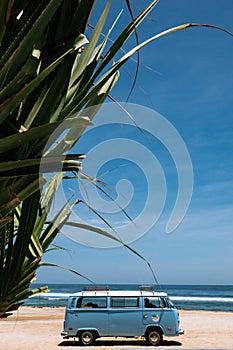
(189, 297)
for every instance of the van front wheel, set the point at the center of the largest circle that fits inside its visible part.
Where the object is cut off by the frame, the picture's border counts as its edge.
(153, 337)
(87, 338)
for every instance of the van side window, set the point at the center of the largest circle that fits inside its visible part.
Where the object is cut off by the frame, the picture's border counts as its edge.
(124, 302)
(92, 302)
(152, 302)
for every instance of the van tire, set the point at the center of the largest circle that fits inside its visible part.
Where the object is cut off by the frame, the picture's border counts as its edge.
(153, 337)
(87, 338)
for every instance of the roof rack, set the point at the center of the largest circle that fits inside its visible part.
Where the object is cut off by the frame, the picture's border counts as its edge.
(95, 288)
(147, 288)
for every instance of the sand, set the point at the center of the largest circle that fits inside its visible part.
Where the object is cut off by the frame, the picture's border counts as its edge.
(39, 328)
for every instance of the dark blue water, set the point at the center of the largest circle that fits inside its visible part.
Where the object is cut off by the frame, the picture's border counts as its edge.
(189, 297)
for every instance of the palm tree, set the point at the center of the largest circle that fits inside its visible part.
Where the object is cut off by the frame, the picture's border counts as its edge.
(49, 73)
(50, 76)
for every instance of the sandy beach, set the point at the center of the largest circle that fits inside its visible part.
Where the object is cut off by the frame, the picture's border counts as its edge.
(39, 328)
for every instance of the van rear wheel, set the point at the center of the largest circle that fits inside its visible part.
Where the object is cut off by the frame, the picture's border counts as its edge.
(153, 337)
(87, 338)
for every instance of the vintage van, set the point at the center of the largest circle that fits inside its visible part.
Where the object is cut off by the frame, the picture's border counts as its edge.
(100, 312)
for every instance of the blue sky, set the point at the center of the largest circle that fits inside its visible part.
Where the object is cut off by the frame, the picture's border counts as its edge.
(187, 77)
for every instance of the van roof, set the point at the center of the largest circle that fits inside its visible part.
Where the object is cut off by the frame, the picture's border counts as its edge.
(119, 293)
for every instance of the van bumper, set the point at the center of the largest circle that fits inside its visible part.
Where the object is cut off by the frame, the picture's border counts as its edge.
(64, 334)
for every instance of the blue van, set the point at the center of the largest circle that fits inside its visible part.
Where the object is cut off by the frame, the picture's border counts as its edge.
(101, 312)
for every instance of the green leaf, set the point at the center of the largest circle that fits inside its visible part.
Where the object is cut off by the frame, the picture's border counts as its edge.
(67, 269)
(23, 76)
(8, 106)
(26, 225)
(124, 35)
(22, 46)
(55, 225)
(37, 165)
(17, 140)
(89, 49)
(6, 6)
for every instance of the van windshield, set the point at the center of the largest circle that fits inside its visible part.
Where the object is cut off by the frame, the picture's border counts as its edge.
(170, 303)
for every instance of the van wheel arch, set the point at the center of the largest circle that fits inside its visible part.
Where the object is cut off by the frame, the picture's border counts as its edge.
(154, 336)
(87, 337)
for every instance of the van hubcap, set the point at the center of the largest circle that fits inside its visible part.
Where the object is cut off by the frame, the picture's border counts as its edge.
(87, 337)
(154, 337)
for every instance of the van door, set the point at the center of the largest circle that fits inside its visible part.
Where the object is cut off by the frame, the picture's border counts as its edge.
(88, 312)
(152, 311)
(125, 317)
(157, 312)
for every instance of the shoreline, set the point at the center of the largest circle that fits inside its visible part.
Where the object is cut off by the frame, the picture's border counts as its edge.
(38, 328)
